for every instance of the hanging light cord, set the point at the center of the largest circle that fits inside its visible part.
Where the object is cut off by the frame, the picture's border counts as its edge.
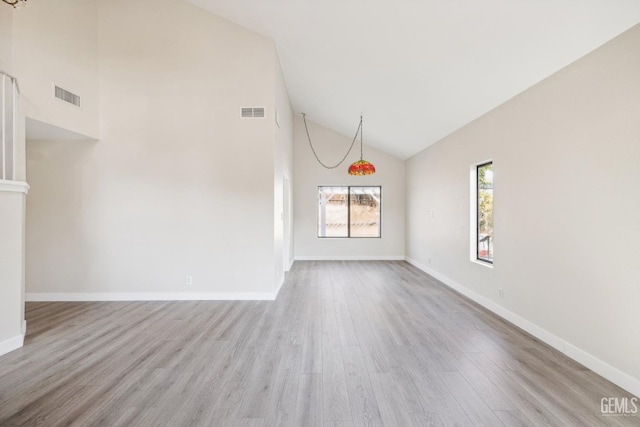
(355, 138)
(361, 131)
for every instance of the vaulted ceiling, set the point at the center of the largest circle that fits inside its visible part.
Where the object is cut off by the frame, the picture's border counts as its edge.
(420, 69)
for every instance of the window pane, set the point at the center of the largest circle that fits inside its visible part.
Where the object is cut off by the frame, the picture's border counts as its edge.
(333, 214)
(365, 211)
(485, 212)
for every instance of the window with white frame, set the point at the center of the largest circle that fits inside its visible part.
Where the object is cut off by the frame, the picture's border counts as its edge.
(349, 211)
(484, 212)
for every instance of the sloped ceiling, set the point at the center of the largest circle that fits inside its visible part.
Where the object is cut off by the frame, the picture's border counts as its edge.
(420, 69)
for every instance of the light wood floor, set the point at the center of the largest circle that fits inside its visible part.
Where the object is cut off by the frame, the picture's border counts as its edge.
(345, 344)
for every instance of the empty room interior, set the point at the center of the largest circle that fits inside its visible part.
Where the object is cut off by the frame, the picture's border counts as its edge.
(319, 213)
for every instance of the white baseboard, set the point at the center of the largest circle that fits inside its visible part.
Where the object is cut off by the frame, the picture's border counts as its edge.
(279, 287)
(613, 374)
(152, 296)
(11, 344)
(350, 258)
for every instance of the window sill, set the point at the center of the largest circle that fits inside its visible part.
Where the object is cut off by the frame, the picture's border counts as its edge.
(482, 263)
(348, 238)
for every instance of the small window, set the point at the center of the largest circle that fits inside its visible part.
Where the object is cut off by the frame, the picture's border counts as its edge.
(484, 209)
(349, 211)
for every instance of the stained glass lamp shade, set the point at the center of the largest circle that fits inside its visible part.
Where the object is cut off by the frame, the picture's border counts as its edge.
(362, 167)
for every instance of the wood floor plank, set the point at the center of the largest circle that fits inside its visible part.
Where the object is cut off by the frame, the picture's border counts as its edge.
(261, 380)
(281, 408)
(364, 407)
(489, 393)
(312, 346)
(475, 408)
(513, 419)
(362, 343)
(334, 423)
(335, 392)
(528, 404)
(309, 402)
(427, 419)
(433, 395)
(376, 356)
(226, 406)
(346, 330)
(392, 408)
(137, 417)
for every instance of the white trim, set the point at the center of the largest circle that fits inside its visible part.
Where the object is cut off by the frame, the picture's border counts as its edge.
(278, 288)
(14, 186)
(11, 344)
(24, 328)
(473, 212)
(14, 130)
(350, 258)
(482, 263)
(598, 366)
(152, 296)
(291, 264)
(4, 134)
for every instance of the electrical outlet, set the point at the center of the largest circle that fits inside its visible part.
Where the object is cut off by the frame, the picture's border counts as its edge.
(500, 293)
(429, 261)
(189, 280)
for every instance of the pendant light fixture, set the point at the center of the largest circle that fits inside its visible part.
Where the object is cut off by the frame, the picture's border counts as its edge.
(359, 168)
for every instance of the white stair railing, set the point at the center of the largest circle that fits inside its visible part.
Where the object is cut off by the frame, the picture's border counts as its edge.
(9, 132)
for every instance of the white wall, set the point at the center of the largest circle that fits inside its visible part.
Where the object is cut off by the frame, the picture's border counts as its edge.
(56, 43)
(283, 212)
(6, 39)
(179, 184)
(11, 268)
(331, 147)
(12, 200)
(566, 154)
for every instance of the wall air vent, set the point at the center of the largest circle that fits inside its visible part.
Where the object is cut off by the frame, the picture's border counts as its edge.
(67, 96)
(249, 112)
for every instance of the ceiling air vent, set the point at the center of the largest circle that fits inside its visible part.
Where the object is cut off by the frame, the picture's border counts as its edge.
(67, 96)
(248, 112)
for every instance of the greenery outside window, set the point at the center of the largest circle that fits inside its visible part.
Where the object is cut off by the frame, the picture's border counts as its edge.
(484, 220)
